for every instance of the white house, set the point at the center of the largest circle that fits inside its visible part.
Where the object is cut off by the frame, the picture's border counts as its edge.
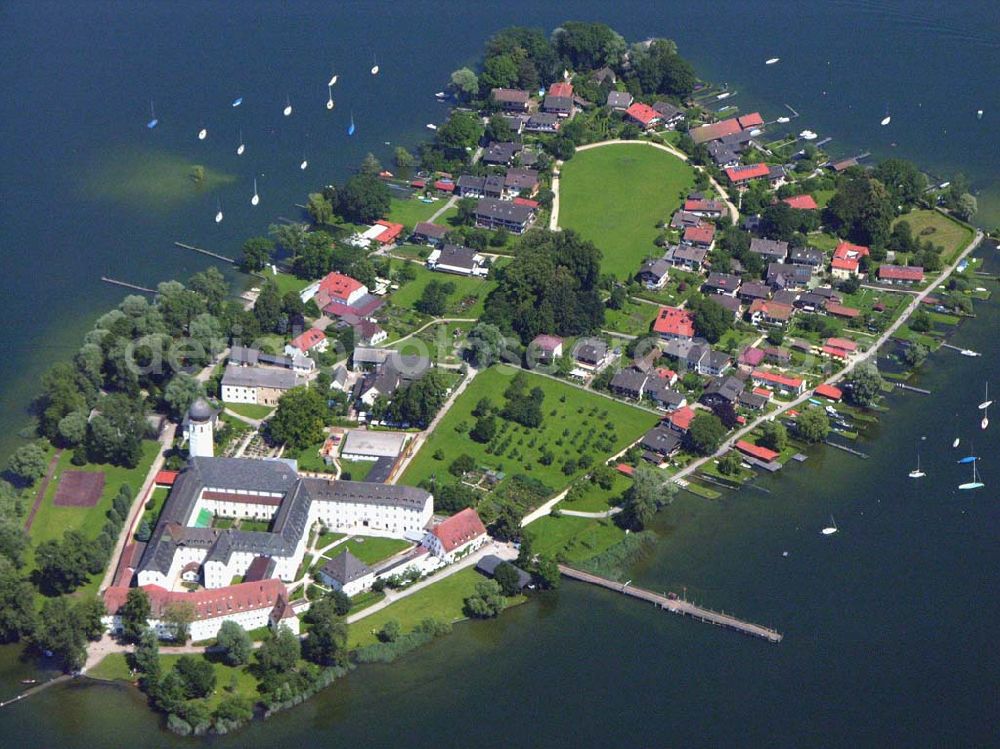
(457, 536)
(463, 261)
(347, 573)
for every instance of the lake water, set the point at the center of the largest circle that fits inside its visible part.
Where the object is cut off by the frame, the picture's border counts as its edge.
(888, 624)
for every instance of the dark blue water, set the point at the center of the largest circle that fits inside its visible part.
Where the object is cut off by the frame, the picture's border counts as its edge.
(889, 625)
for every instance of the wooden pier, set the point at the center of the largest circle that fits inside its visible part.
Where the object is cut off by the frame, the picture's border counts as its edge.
(960, 350)
(846, 449)
(910, 388)
(216, 255)
(127, 285)
(676, 605)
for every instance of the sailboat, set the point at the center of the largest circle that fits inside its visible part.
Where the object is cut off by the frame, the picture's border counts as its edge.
(375, 66)
(333, 80)
(237, 101)
(771, 61)
(916, 473)
(955, 442)
(287, 111)
(979, 114)
(975, 483)
(203, 133)
(350, 128)
(831, 528)
(986, 403)
(241, 147)
(329, 100)
(256, 198)
(218, 215)
(783, 120)
(304, 164)
(153, 122)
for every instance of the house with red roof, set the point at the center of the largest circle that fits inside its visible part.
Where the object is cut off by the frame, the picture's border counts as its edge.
(847, 260)
(752, 120)
(642, 115)
(166, 478)
(673, 322)
(740, 176)
(313, 339)
(766, 312)
(392, 230)
(836, 353)
(801, 202)
(704, 208)
(699, 236)
(336, 288)
(756, 451)
(715, 131)
(900, 274)
(785, 383)
(844, 344)
(752, 356)
(680, 420)
(545, 348)
(839, 310)
(561, 88)
(457, 536)
(830, 392)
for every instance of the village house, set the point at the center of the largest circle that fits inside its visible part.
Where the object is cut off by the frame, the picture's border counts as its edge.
(673, 323)
(680, 420)
(470, 186)
(519, 181)
(654, 274)
(308, 341)
(741, 176)
(628, 383)
(339, 295)
(903, 275)
(704, 207)
(542, 122)
(751, 291)
(775, 380)
(684, 219)
(545, 348)
(502, 214)
(462, 261)
(642, 115)
(714, 131)
(751, 356)
(686, 256)
(801, 202)
(699, 236)
(347, 573)
(591, 353)
(752, 400)
(511, 99)
(786, 275)
(846, 262)
(664, 397)
(368, 333)
(561, 106)
(829, 392)
(722, 391)
(244, 356)
(659, 443)
(839, 310)
(457, 536)
(427, 233)
(757, 452)
(764, 312)
(263, 386)
(669, 114)
(771, 250)
(725, 156)
(619, 100)
(806, 256)
(721, 283)
(501, 154)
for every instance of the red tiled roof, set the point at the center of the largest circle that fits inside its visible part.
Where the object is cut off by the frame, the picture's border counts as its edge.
(208, 603)
(546, 342)
(901, 273)
(674, 321)
(444, 185)
(829, 391)
(748, 172)
(715, 131)
(166, 478)
(844, 263)
(848, 250)
(842, 343)
(308, 339)
(748, 121)
(642, 113)
(561, 88)
(763, 392)
(752, 356)
(702, 204)
(527, 202)
(841, 311)
(801, 202)
(418, 183)
(338, 287)
(392, 230)
(682, 418)
(665, 374)
(774, 310)
(777, 378)
(756, 451)
(700, 234)
(741, 419)
(834, 351)
(625, 468)
(459, 529)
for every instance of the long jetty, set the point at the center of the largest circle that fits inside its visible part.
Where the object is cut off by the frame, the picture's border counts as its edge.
(676, 605)
(36, 689)
(127, 285)
(216, 255)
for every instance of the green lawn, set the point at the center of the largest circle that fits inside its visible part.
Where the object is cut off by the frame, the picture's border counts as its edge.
(442, 600)
(287, 282)
(940, 230)
(465, 301)
(823, 241)
(357, 469)
(616, 195)
(371, 549)
(250, 410)
(52, 521)
(309, 459)
(572, 417)
(412, 211)
(595, 499)
(572, 539)
(634, 318)
(328, 538)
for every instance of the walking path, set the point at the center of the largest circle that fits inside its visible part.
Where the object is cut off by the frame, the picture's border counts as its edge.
(40, 494)
(582, 514)
(422, 328)
(832, 380)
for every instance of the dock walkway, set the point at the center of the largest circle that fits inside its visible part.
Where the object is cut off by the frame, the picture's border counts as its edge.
(676, 605)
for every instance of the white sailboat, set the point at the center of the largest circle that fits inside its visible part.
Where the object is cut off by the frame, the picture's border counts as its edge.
(256, 198)
(979, 114)
(153, 121)
(431, 126)
(218, 214)
(886, 120)
(956, 442)
(375, 66)
(772, 60)
(242, 146)
(987, 402)
(287, 111)
(203, 133)
(975, 483)
(304, 164)
(329, 98)
(916, 473)
(831, 528)
(333, 81)
(783, 120)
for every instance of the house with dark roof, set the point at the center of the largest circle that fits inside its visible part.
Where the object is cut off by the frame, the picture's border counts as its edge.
(511, 99)
(664, 397)
(619, 100)
(427, 233)
(751, 291)
(807, 256)
(669, 114)
(771, 250)
(260, 385)
(765, 312)
(628, 383)
(659, 443)
(457, 259)
(469, 186)
(683, 219)
(519, 180)
(347, 573)
(488, 566)
(724, 156)
(503, 214)
(722, 391)
(501, 153)
(786, 275)
(543, 122)
(561, 106)
(368, 333)
(592, 353)
(721, 283)
(654, 273)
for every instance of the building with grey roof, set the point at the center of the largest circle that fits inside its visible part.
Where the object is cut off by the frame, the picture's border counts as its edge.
(347, 573)
(503, 214)
(260, 385)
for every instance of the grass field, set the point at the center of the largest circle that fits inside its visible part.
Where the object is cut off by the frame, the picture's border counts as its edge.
(412, 211)
(286, 282)
(465, 301)
(634, 318)
(358, 469)
(940, 229)
(442, 601)
(52, 521)
(572, 539)
(371, 549)
(616, 195)
(566, 409)
(595, 499)
(250, 410)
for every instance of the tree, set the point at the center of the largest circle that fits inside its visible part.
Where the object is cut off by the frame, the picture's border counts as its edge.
(864, 385)
(499, 71)
(89, 612)
(650, 491)
(278, 654)
(404, 159)
(17, 609)
(547, 573)
(467, 211)
(135, 615)
(967, 206)
(146, 657)
(321, 209)
(197, 675)
(299, 419)
(58, 631)
(589, 45)
(485, 429)
(235, 643)
(364, 199)
(711, 319)
(290, 237)
(462, 465)
(256, 254)
(487, 602)
(462, 130)
(903, 181)
(73, 428)
(370, 164)
(706, 433)
(729, 463)
(915, 354)
(64, 565)
(234, 708)
(434, 299)
(13, 537)
(341, 602)
(861, 210)
(212, 286)
(774, 436)
(177, 617)
(507, 578)
(390, 631)
(618, 298)
(180, 393)
(812, 425)
(28, 463)
(116, 431)
(497, 130)
(465, 84)
(921, 321)
(327, 641)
